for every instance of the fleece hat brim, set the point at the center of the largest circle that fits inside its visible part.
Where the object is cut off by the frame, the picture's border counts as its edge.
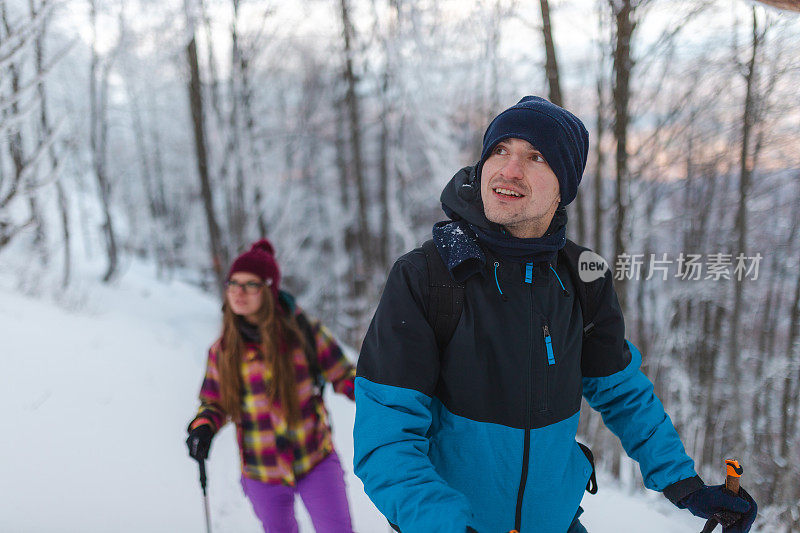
(559, 135)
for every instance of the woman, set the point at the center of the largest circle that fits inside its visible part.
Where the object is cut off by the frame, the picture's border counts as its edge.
(261, 374)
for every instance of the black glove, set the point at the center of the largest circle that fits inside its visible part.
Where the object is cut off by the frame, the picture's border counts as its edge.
(199, 442)
(738, 512)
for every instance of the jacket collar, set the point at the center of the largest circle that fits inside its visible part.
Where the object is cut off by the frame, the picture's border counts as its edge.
(462, 252)
(459, 248)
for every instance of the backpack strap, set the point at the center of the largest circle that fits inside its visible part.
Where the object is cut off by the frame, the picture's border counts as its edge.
(311, 352)
(587, 293)
(446, 296)
(591, 485)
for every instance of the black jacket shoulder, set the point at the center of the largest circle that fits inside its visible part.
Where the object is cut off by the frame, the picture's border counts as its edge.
(400, 348)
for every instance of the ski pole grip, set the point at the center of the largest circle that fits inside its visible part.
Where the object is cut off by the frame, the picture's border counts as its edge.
(734, 472)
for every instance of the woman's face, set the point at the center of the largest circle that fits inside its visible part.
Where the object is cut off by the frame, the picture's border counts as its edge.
(244, 293)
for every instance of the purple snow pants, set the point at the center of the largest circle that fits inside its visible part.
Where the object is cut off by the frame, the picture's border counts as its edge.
(323, 493)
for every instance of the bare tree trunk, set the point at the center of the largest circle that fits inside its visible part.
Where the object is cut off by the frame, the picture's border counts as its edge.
(103, 182)
(341, 159)
(98, 93)
(352, 102)
(8, 230)
(384, 245)
(63, 209)
(252, 144)
(261, 222)
(218, 254)
(688, 222)
(18, 157)
(601, 126)
(790, 407)
(600, 157)
(46, 133)
(746, 160)
(551, 62)
(16, 146)
(554, 84)
(623, 65)
(346, 287)
(39, 233)
(589, 419)
(237, 215)
(580, 218)
(642, 329)
(790, 383)
(714, 316)
(213, 83)
(387, 137)
(760, 417)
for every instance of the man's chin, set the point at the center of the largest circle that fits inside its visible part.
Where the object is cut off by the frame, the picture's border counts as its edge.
(502, 219)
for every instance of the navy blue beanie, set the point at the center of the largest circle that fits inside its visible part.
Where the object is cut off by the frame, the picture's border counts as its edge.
(558, 134)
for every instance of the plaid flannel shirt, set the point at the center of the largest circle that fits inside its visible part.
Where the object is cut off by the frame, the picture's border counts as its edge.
(269, 449)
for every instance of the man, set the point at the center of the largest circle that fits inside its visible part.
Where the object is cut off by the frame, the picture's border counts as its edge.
(476, 431)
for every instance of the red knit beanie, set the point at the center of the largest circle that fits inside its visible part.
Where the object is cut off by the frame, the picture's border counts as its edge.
(260, 260)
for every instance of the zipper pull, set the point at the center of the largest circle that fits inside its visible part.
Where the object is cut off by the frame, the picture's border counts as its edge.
(548, 342)
(502, 295)
(564, 290)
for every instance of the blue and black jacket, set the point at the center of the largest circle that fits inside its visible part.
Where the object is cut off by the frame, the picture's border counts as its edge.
(482, 433)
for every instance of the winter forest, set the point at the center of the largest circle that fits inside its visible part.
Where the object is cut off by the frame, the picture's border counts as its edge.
(177, 133)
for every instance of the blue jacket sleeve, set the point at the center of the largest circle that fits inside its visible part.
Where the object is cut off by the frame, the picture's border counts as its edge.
(397, 371)
(614, 385)
(634, 413)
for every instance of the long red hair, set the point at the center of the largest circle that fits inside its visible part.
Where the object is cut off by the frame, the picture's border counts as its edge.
(280, 334)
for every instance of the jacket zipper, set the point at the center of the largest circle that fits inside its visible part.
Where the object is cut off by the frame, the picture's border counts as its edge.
(526, 451)
(548, 343)
(528, 407)
(544, 393)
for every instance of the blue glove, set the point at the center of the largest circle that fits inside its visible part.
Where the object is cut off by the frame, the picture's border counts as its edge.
(717, 502)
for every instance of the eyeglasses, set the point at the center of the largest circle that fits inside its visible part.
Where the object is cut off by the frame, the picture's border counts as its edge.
(250, 287)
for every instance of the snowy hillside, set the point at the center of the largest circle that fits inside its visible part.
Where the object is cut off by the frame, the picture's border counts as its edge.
(96, 401)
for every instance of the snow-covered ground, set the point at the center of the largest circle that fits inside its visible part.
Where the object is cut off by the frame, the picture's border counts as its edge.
(96, 398)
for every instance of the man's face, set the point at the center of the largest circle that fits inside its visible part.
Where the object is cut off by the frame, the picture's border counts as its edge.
(519, 190)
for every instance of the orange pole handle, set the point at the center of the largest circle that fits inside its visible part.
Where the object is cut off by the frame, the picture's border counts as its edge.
(734, 472)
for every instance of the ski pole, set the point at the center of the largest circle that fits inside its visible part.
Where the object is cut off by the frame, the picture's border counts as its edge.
(733, 473)
(202, 464)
